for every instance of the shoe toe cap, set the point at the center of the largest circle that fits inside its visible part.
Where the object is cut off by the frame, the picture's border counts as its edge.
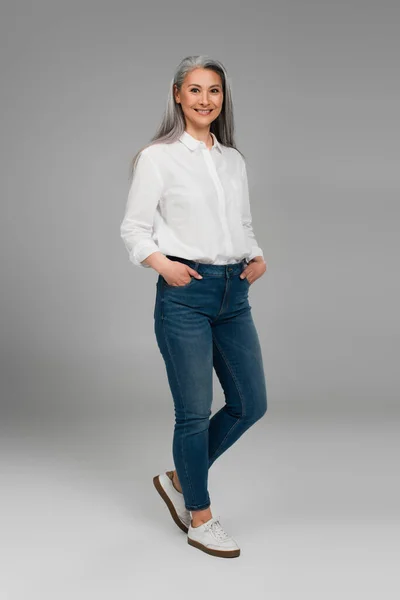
(227, 545)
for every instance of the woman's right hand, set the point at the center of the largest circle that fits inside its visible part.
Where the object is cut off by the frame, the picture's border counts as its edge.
(178, 274)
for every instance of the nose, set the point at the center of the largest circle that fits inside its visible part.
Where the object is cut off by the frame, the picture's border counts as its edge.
(204, 101)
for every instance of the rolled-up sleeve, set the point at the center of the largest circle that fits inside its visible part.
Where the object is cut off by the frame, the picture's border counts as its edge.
(143, 198)
(246, 216)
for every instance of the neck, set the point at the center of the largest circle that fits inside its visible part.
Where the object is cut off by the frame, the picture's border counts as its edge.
(203, 135)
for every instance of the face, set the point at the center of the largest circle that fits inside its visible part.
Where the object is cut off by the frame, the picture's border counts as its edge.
(201, 89)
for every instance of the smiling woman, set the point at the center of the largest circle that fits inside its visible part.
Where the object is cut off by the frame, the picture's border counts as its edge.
(205, 99)
(188, 217)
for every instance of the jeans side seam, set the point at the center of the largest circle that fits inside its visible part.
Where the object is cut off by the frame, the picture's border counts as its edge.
(239, 392)
(215, 455)
(232, 373)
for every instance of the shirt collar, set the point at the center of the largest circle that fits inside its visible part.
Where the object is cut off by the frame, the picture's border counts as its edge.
(193, 144)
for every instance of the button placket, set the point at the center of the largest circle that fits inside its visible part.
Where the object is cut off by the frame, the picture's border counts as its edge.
(221, 199)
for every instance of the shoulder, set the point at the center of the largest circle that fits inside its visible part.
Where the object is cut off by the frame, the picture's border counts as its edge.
(158, 153)
(152, 152)
(233, 156)
(231, 152)
(150, 158)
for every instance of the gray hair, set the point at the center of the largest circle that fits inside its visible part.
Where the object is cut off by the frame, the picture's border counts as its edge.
(173, 122)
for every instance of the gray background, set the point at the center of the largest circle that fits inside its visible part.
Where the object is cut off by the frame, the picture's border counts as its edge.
(310, 492)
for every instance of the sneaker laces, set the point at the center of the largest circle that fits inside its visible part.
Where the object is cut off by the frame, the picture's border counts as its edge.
(216, 529)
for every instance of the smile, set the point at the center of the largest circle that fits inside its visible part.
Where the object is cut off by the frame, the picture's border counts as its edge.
(203, 112)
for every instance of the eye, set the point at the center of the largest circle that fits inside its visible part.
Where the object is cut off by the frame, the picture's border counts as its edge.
(197, 89)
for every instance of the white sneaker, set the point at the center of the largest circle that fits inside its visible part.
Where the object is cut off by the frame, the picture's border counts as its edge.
(211, 538)
(173, 499)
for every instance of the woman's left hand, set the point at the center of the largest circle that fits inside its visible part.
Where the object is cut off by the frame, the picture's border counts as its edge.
(255, 269)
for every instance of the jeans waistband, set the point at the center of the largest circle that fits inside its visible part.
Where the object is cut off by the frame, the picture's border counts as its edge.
(209, 269)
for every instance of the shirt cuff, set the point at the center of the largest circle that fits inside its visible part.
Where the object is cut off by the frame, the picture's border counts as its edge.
(255, 252)
(141, 251)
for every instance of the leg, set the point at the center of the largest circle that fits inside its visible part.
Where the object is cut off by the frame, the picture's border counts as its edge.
(238, 363)
(185, 342)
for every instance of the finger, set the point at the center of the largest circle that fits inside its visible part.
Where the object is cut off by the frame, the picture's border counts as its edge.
(195, 273)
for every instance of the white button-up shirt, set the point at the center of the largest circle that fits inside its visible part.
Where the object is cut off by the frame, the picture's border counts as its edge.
(188, 201)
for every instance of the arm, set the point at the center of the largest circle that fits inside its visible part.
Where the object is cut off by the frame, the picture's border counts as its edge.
(158, 261)
(143, 198)
(247, 219)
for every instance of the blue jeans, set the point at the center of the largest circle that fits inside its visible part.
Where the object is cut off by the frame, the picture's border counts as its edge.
(199, 326)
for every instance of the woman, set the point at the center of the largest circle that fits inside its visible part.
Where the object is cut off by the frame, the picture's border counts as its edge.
(188, 217)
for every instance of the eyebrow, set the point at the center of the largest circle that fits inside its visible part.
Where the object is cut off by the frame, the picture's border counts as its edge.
(211, 86)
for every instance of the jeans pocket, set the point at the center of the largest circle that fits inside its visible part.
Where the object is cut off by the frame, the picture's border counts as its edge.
(178, 287)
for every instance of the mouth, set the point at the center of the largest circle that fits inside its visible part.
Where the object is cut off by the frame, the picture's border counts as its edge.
(203, 112)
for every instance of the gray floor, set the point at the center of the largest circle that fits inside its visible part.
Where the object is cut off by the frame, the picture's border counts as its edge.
(312, 503)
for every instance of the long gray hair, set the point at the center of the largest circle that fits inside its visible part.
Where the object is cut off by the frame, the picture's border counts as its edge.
(173, 122)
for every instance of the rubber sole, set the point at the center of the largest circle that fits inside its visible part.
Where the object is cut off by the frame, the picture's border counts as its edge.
(221, 553)
(168, 502)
